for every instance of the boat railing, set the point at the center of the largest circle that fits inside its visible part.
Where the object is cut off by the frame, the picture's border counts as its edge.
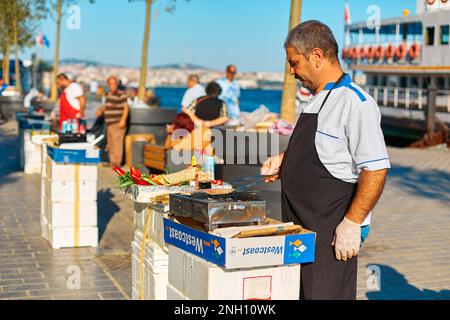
(408, 98)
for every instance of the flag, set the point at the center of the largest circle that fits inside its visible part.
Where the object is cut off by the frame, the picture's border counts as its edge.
(347, 17)
(347, 22)
(42, 40)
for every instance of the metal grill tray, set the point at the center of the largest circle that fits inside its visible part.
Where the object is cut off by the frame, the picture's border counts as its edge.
(243, 208)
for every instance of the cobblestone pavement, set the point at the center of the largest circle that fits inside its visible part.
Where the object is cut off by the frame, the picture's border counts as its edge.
(29, 268)
(407, 247)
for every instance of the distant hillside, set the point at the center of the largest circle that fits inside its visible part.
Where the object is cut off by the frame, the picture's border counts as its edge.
(90, 63)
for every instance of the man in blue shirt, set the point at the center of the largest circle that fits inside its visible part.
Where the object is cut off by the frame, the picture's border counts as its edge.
(231, 93)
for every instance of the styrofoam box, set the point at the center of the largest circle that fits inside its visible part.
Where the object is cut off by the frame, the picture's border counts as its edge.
(63, 237)
(65, 190)
(134, 294)
(43, 203)
(44, 227)
(44, 157)
(158, 263)
(201, 280)
(156, 223)
(154, 284)
(66, 172)
(174, 294)
(32, 168)
(153, 250)
(62, 214)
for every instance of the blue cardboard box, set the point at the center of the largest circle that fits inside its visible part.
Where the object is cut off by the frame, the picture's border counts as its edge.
(234, 253)
(89, 155)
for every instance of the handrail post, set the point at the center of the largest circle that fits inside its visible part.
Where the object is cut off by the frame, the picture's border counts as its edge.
(431, 106)
(396, 97)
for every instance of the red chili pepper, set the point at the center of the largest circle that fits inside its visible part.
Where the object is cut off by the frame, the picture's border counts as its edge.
(219, 182)
(135, 172)
(141, 182)
(119, 171)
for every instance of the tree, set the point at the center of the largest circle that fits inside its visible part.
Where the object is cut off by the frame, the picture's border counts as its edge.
(18, 22)
(54, 89)
(144, 61)
(170, 7)
(290, 84)
(58, 6)
(5, 37)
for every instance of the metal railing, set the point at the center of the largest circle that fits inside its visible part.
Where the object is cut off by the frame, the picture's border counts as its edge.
(408, 98)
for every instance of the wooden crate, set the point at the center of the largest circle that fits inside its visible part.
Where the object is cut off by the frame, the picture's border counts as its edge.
(155, 156)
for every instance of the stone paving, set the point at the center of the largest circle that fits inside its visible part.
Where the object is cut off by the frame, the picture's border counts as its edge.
(29, 268)
(407, 247)
(409, 243)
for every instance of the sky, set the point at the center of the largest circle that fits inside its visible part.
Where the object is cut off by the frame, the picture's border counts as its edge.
(210, 33)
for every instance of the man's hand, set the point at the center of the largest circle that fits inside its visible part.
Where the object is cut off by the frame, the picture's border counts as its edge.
(122, 124)
(272, 167)
(347, 240)
(169, 128)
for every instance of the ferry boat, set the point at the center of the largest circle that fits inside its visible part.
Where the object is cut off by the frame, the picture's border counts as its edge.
(404, 63)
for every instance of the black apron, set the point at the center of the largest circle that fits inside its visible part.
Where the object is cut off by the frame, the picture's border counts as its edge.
(318, 201)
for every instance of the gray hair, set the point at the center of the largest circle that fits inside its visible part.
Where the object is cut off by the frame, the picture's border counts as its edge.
(194, 77)
(312, 34)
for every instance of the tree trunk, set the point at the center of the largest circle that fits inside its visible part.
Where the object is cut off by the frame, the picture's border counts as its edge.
(143, 73)
(5, 63)
(54, 92)
(290, 84)
(16, 47)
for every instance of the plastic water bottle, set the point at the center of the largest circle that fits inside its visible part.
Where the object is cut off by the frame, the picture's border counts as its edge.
(64, 127)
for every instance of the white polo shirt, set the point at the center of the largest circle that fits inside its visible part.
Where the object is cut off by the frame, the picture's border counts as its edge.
(193, 94)
(73, 92)
(349, 136)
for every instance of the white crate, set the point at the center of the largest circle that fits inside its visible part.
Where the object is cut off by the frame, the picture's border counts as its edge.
(64, 237)
(155, 225)
(32, 168)
(64, 191)
(62, 214)
(44, 228)
(198, 279)
(134, 294)
(174, 294)
(42, 198)
(154, 279)
(68, 171)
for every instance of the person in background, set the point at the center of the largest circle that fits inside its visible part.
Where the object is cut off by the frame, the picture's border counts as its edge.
(151, 99)
(209, 111)
(231, 94)
(3, 85)
(195, 90)
(132, 96)
(183, 135)
(115, 111)
(33, 94)
(72, 102)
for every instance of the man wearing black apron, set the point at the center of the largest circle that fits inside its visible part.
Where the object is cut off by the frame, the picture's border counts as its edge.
(334, 168)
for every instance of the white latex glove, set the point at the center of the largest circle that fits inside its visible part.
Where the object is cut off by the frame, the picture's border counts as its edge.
(272, 165)
(347, 239)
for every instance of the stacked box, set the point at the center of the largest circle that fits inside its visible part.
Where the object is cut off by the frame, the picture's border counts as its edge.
(33, 141)
(192, 278)
(149, 254)
(69, 204)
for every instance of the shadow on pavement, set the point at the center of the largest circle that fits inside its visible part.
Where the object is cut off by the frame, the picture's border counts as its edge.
(108, 209)
(432, 184)
(394, 286)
